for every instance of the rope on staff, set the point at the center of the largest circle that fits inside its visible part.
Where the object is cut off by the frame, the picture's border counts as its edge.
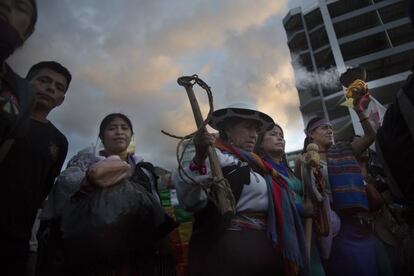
(220, 183)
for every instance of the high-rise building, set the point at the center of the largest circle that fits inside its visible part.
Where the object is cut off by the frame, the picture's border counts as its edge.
(330, 36)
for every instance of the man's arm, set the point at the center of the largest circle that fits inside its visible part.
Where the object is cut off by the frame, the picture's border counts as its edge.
(361, 102)
(359, 145)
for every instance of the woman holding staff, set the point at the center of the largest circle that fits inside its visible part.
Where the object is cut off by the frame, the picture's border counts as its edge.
(264, 236)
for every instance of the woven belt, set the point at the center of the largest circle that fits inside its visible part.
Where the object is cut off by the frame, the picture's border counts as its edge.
(255, 221)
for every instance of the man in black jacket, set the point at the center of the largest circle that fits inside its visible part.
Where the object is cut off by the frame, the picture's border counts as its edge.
(33, 162)
(30, 167)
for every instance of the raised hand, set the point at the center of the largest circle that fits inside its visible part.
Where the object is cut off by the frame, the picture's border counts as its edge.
(202, 140)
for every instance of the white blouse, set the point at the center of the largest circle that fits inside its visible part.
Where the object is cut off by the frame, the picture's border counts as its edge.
(253, 198)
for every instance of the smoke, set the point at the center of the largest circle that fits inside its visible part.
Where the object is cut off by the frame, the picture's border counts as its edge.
(328, 79)
(304, 79)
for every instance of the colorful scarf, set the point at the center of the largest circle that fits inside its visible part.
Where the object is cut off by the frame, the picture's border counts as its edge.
(284, 227)
(345, 178)
(280, 168)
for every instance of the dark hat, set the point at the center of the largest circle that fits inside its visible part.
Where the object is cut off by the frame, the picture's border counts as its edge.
(243, 111)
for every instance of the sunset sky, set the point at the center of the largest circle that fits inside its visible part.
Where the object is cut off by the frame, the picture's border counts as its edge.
(126, 55)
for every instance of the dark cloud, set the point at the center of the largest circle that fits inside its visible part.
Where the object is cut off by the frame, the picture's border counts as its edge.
(126, 55)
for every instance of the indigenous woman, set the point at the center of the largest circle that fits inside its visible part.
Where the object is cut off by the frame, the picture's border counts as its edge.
(127, 247)
(352, 250)
(264, 236)
(271, 147)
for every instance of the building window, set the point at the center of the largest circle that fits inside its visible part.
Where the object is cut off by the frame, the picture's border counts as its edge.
(364, 46)
(356, 24)
(344, 6)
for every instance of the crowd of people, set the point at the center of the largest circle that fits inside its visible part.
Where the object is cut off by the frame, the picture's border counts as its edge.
(104, 214)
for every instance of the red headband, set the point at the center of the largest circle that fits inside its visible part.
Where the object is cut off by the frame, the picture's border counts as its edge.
(315, 125)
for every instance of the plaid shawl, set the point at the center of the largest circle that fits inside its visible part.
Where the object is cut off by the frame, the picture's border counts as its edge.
(345, 178)
(284, 227)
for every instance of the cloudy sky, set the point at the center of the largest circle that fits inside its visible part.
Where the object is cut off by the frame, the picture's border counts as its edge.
(126, 55)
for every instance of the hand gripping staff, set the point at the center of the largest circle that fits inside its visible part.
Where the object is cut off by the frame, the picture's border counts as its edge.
(219, 191)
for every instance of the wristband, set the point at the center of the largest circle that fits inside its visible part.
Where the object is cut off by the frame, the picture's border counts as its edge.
(200, 168)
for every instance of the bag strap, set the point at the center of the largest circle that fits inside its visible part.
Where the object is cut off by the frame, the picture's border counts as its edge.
(147, 167)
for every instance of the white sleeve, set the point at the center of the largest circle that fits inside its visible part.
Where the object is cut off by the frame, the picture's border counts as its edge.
(191, 196)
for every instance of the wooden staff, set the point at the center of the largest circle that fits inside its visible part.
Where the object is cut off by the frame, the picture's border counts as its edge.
(306, 178)
(307, 168)
(224, 201)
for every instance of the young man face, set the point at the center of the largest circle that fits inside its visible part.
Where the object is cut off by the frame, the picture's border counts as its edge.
(17, 13)
(323, 136)
(50, 88)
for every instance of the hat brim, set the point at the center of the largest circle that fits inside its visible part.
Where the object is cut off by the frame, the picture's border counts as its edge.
(219, 117)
